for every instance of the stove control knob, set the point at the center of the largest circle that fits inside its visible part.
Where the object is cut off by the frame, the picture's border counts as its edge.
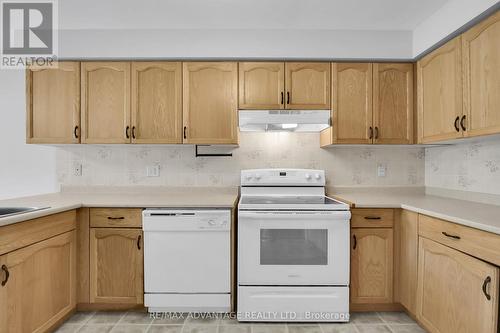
(248, 177)
(317, 176)
(211, 222)
(257, 176)
(308, 176)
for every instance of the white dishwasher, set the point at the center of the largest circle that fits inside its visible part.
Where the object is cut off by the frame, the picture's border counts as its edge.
(187, 262)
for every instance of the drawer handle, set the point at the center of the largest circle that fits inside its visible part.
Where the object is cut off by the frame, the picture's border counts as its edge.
(139, 242)
(355, 240)
(373, 218)
(450, 236)
(7, 274)
(485, 285)
(116, 218)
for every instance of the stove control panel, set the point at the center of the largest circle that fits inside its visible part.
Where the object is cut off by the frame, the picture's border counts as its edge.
(282, 177)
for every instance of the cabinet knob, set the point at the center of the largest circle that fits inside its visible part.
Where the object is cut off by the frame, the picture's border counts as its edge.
(7, 274)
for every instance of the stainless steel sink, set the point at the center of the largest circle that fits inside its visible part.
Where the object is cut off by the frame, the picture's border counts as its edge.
(9, 211)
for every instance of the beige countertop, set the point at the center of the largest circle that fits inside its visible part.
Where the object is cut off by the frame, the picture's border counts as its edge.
(144, 197)
(473, 214)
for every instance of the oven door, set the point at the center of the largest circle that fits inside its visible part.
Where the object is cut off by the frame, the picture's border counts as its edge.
(293, 248)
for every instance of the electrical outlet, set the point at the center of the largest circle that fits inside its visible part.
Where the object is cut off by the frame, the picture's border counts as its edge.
(77, 169)
(381, 170)
(153, 171)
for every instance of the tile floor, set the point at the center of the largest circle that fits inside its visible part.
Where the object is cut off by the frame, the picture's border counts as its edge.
(139, 322)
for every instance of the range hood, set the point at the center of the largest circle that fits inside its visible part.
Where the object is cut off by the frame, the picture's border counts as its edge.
(284, 120)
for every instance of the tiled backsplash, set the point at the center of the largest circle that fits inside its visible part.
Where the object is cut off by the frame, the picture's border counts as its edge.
(125, 165)
(469, 166)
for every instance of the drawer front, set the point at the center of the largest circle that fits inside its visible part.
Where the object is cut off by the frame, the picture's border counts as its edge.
(481, 244)
(115, 217)
(372, 218)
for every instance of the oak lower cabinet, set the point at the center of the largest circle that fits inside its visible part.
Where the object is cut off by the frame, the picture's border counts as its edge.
(371, 265)
(53, 103)
(105, 106)
(457, 293)
(210, 102)
(439, 93)
(116, 266)
(38, 284)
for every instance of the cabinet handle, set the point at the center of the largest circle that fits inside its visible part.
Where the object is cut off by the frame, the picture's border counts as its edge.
(456, 124)
(485, 285)
(282, 98)
(133, 132)
(127, 130)
(376, 132)
(371, 133)
(116, 218)
(287, 97)
(373, 218)
(75, 132)
(139, 242)
(462, 124)
(7, 274)
(450, 236)
(355, 240)
(185, 129)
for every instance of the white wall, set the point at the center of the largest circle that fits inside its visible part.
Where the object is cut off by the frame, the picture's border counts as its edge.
(24, 169)
(453, 15)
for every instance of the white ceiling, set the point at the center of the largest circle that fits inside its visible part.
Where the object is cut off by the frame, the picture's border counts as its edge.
(246, 14)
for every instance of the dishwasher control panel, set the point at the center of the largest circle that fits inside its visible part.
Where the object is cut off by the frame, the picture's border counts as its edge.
(185, 220)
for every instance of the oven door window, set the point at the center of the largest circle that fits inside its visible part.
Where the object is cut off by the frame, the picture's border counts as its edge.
(294, 246)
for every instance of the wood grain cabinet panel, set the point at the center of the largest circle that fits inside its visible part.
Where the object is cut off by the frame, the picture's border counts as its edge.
(453, 291)
(439, 91)
(352, 103)
(105, 96)
(53, 103)
(371, 265)
(307, 85)
(40, 287)
(156, 102)
(261, 85)
(393, 103)
(481, 67)
(210, 102)
(116, 266)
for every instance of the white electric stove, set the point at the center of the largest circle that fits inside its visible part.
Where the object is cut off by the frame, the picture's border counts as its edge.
(293, 248)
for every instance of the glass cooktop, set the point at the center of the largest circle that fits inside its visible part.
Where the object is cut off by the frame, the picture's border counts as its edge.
(288, 200)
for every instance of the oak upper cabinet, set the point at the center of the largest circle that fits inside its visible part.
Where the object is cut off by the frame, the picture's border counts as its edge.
(116, 266)
(105, 94)
(439, 93)
(456, 292)
(156, 102)
(481, 66)
(351, 103)
(371, 265)
(53, 103)
(307, 85)
(261, 85)
(407, 253)
(210, 102)
(393, 103)
(38, 285)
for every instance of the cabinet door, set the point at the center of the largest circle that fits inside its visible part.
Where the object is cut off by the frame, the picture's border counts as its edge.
(371, 265)
(210, 102)
(53, 103)
(481, 59)
(116, 266)
(453, 291)
(439, 93)
(105, 102)
(40, 287)
(156, 102)
(406, 257)
(307, 85)
(352, 103)
(261, 85)
(393, 103)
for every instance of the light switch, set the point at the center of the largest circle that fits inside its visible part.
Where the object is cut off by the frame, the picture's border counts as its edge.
(381, 170)
(153, 171)
(77, 169)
